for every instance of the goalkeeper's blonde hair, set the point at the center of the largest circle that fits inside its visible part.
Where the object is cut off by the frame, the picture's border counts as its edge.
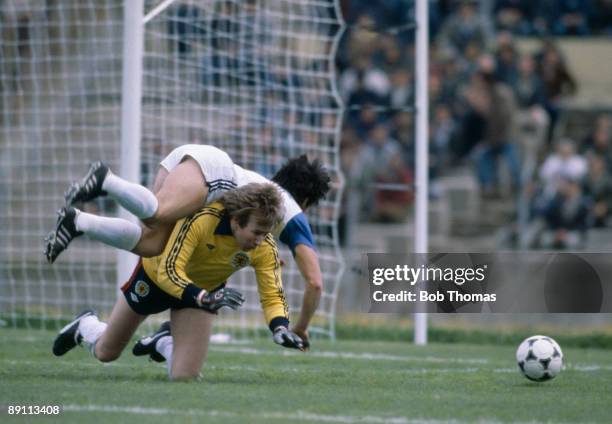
(263, 201)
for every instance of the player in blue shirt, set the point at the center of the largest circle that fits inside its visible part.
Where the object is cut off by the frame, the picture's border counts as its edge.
(189, 177)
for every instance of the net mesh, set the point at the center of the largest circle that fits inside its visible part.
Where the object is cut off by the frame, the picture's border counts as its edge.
(255, 78)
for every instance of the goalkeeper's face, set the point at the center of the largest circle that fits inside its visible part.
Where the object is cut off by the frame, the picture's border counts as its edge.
(251, 235)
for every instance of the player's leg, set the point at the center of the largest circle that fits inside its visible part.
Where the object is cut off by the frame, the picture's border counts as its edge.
(115, 232)
(156, 346)
(121, 327)
(180, 193)
(100, 181)
(162, 173)
(72, 223)
(153, 240)
(191, 329)
(105, 341)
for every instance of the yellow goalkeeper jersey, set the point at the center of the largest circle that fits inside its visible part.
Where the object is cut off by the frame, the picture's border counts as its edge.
(203, 251)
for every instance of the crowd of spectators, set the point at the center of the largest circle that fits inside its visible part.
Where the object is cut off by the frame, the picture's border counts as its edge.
(490, 104)
(572, 191)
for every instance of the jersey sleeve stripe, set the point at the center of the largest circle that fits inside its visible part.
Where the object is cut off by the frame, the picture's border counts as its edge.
(221, 185)
(222, 181)
(277, 281)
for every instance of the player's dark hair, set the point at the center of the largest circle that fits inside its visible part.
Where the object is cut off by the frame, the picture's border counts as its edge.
(260, 200)
(308, 182)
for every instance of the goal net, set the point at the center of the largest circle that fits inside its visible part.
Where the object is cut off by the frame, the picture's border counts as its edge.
(253, 77)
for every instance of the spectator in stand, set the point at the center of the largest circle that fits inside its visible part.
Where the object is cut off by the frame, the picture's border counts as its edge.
(453, 74)
(442, 132)
(389, 56)
(402, 89)
(402, 131)
(558, 82)
(532, 120)
(377, 155)
(364, 82)
(599, 141)
(506, 59)
(495, 104)
(471, 55)
(351, 157)
(515, 16)
(360, 41)
(364, 119)
(567, 217)
(564, 163)
(528, 86)
(572, 17)
(463, 26)
(392, 205)
(381, 147)
(598, 185)
(467, 106)
(435, 89)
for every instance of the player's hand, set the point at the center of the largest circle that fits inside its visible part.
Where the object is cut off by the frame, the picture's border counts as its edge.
(303, 334)
(219, 298)
(282, 336)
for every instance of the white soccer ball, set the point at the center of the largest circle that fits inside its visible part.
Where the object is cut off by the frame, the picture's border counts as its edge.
(539, 358)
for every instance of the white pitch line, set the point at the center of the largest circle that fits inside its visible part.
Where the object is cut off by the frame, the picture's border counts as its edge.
(93, 363)
(364, 356)
(241, 368)
(296, 416)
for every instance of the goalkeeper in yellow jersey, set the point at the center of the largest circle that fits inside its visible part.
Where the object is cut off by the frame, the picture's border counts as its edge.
(189, 279)
(189, 177)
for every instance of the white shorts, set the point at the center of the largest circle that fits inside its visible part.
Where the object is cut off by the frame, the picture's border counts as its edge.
(216, 165)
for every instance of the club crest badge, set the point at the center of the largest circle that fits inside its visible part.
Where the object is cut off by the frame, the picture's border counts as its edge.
(141, 288)
(240, 260)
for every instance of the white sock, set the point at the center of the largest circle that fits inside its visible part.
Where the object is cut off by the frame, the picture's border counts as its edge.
(164, 347)
(91, 328)
(138, 200)
(116, 232)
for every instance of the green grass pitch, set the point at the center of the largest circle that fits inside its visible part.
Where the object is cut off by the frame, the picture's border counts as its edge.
(342, 382)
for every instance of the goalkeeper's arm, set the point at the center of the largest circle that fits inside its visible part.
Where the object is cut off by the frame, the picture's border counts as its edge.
(282, 336)
(272, 297)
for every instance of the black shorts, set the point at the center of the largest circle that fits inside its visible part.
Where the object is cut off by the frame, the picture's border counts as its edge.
(145, 297)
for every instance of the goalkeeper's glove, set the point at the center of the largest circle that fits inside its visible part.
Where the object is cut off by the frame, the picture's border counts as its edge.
(219, 298)
(305, 338)
(286, 338)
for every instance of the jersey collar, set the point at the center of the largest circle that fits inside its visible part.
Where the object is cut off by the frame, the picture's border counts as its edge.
(224, 228)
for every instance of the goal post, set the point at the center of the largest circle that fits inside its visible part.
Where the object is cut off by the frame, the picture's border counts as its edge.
(421, 225)
(255, 78)
(131, 110)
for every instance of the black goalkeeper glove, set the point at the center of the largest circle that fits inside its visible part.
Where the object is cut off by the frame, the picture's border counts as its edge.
(219, 298)
(286, 338)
